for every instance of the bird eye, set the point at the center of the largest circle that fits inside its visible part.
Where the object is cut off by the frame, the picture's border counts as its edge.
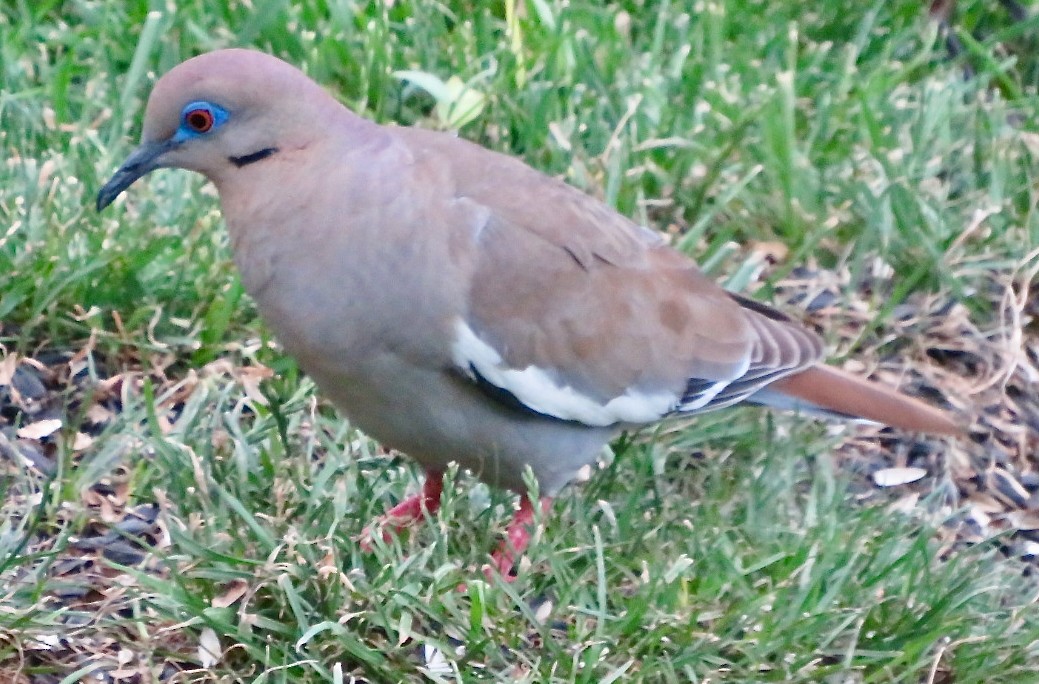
(199, 120)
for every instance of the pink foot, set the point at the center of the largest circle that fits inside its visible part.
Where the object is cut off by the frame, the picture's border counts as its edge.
(408, 512)
(517, 538)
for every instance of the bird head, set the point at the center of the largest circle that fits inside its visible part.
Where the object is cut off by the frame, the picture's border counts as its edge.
(219, 112)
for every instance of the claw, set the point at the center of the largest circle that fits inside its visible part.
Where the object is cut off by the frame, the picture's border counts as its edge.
(407, 513)
(517, 538)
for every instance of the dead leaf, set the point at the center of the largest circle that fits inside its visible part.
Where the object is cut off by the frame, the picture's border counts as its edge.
(82, 441)
(7, 368)
(40, 429)
(234, 590)
(327, 565)
(893, 477)
(99, 415)
(250, 378)
(1023, 520)
(209, 652)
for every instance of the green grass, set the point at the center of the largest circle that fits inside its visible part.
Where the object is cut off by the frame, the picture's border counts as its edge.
(731, 549)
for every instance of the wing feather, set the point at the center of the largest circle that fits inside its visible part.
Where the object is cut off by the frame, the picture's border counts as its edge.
(580, 314)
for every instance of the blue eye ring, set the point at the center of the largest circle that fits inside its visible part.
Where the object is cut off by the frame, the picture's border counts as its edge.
(200, 118)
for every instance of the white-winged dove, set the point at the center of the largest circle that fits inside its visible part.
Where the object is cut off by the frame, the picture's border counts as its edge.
(460, 306)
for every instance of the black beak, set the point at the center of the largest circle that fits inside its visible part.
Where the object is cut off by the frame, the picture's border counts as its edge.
(145, 158)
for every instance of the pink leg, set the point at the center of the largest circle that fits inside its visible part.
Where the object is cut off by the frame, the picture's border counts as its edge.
(517, 537)
(407, 512)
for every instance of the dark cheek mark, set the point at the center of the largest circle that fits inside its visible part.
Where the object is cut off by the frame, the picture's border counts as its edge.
(252, 157)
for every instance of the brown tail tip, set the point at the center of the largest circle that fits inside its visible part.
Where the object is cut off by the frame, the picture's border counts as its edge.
(835, 390)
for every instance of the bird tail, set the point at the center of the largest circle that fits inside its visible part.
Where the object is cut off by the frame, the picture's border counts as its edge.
(827, 390)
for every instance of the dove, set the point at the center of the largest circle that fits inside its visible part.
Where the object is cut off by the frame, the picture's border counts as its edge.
(462, 307)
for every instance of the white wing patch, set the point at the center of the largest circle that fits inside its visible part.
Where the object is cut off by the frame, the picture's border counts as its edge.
(538, 390)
